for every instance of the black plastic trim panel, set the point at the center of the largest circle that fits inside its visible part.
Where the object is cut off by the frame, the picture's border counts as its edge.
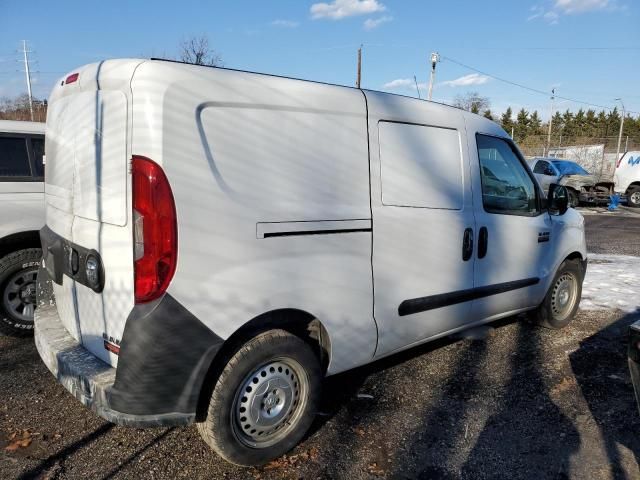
(62, 257)
(165, 354)
(422, 304)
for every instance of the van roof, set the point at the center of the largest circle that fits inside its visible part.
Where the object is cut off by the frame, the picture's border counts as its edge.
(17, 126)
(313, 81)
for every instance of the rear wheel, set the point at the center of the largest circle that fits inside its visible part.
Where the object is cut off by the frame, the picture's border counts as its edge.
(562, 300)
(18, 272)
(633, 197)
(265, 399)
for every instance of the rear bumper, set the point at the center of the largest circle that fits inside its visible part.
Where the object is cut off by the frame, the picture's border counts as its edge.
(84, 375)
(149, 388)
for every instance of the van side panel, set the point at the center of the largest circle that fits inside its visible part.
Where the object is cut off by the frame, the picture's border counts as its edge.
(243, 150)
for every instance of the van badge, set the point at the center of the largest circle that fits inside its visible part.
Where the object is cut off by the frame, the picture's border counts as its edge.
(543, 236)
(111, 344)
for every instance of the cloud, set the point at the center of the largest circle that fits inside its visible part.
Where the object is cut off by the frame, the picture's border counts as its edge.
(581, 6)
(467, 80)
(370, 23)
(339, 9)
(285, 23)
(399, 83)
(557, 8)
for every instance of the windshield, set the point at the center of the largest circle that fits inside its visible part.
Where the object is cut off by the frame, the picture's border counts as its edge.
(569, 168)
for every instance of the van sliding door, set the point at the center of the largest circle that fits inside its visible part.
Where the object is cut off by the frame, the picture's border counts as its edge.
(423, 221)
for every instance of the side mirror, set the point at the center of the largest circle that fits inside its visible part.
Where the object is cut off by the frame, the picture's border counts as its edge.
(558, 199)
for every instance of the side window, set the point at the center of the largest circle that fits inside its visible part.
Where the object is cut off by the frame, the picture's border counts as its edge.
(541, 167)
(14, 159)
(507, 187)
(421, 166)
(37, 147)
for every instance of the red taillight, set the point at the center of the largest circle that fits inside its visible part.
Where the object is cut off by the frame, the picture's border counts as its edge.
(155, 230)
(71, 78)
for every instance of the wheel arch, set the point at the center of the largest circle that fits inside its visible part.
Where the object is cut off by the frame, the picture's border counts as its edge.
(631, 185)
(19, 241)
(297, 322)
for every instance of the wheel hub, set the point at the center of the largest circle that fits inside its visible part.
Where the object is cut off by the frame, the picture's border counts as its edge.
(268, 403)
(564, 295)
(635, 197)
(19, 296)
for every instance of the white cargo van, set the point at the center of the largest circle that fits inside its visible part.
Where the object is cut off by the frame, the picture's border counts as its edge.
(627, 178)
(223, 240)
(21, 218)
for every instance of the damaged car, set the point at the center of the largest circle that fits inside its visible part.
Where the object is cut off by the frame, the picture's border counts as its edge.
(581, 185)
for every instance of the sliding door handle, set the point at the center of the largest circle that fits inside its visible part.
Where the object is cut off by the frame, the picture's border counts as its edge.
(483, 239)
(467, 244)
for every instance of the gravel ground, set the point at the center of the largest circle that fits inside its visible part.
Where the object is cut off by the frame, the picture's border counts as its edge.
(524, 402)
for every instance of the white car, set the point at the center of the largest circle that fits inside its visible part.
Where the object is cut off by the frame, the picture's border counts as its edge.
(223, 240)
(627, 178)
(21, 218)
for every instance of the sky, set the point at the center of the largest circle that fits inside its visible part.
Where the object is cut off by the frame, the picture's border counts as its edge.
(588, 50)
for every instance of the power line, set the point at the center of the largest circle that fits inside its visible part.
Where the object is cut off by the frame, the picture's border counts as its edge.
(525, 87)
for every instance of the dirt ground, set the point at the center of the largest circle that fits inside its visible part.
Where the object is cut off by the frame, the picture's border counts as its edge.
(524, 402)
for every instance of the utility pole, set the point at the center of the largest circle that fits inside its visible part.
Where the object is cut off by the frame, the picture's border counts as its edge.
(621, 127)
(359, 67)
(26, 71)
(435, 58)
(553, 94)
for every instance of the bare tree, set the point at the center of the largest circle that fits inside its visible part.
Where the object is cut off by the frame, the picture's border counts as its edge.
(472, 102)
(196, 50)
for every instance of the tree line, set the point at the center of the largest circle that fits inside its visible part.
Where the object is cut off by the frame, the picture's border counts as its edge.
(566, 127)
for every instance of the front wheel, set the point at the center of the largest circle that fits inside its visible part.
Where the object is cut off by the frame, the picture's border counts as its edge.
(264, 400)
(562, 300)
(18, 272)
(633, 197)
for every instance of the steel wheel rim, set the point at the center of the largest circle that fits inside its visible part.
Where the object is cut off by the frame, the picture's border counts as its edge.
(269, 402)
(635, 197)
(19, 295)
(564, 295)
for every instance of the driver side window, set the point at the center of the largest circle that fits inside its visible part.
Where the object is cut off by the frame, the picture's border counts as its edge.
(507, 187)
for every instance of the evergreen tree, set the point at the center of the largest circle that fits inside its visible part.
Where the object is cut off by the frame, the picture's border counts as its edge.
(506, 120)
(522, 125)
(487, 114)
(535, 124)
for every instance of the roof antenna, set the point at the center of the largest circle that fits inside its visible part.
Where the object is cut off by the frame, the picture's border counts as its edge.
(417, 89)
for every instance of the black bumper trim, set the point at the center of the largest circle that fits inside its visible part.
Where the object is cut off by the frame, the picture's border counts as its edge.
(164, 358)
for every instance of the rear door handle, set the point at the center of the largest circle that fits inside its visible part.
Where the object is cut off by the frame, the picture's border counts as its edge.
(467, 244)
(483, 239)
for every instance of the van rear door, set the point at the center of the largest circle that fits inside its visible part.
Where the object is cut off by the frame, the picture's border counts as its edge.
(86, 186)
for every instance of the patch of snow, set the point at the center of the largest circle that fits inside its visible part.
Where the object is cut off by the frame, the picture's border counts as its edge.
(612, 282)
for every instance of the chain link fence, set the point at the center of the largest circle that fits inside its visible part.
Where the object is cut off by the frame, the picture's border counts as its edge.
(595, 154)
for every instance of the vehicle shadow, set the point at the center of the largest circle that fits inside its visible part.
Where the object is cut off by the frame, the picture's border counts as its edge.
(527, 436)
(63, 454)
(601, 370)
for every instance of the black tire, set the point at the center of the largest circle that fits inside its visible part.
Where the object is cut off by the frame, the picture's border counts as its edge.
(551, 313)
(574, 198)
(633, 197)
(233, 438)
(18, 272)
